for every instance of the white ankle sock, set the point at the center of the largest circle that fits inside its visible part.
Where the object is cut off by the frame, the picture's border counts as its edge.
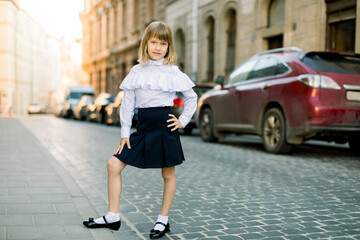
(163, 219)
(110, 218)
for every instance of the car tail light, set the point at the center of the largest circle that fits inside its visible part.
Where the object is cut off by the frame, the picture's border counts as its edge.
(318, 81)
(178, 102)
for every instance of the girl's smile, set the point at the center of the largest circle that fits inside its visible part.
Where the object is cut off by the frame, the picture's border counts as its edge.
(156, 48)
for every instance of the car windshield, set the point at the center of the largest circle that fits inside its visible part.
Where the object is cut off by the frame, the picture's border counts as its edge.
(76, 95)
(333, 63)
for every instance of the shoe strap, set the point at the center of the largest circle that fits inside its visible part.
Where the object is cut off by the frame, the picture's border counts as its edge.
(160, 224)
(105, 220)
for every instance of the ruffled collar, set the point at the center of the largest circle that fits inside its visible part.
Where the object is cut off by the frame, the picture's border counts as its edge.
(157, 77)
(159, 62)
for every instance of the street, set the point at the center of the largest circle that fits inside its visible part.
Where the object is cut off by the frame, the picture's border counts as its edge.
(227, 190)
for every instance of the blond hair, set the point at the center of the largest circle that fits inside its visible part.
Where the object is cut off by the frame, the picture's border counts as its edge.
(161, 31)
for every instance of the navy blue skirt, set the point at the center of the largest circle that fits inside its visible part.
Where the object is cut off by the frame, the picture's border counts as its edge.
(153, 145)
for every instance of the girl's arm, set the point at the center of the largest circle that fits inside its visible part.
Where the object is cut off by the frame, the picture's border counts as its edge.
(127, 112)
(189, 107)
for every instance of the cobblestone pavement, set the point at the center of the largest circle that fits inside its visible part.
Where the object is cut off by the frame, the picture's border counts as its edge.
(227, 190)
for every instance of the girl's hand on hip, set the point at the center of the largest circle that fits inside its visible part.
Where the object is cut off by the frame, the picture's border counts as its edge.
(122, 144)
(176, 124)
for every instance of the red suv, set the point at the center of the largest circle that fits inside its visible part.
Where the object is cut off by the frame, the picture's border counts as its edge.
(287, 96)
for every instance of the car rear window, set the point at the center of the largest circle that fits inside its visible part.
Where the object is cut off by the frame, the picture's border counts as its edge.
(333, 63)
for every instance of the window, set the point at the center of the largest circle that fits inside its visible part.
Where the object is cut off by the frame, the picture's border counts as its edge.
(210, 24)
(276, 17)
(107, 30)
(180, 48)
(231, 39)
(341, 25)
(136, 14)
(242, 72)
(333, 62)
(276, 13)
(264, 68)
(115, 23)
(99, 82)
(267, 67)
(124, 20)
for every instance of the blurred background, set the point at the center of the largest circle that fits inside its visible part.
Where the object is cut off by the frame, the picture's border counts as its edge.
(48, 46)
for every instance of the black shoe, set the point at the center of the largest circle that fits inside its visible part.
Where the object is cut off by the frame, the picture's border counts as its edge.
(158, 234)
(92, 224)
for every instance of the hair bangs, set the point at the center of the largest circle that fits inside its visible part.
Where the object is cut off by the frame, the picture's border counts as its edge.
(160, 32)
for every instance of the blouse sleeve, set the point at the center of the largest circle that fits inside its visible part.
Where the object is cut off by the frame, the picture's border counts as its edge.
(127, 112)
(190, 99)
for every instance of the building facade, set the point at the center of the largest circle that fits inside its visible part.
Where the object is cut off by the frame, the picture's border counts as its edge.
(211, 36)
(112, 31)
(230, 31)
(29, 60)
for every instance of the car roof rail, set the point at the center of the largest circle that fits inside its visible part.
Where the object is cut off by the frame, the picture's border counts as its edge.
(278, 50)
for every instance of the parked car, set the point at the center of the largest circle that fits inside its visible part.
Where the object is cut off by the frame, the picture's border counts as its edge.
(82, 109)
(113, 111)
(72, 98)
(97, 110)
(178, 106)
(287, 96)
(34, 108)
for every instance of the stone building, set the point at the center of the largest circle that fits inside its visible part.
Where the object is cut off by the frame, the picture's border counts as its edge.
(29, 60)
(213, 36)
(112, 31)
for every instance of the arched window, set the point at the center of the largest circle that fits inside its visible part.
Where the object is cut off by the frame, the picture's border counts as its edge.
(210, 27)
(136, 14)
(276, 17)
(276, 13)
(231, 40)
(180, 49)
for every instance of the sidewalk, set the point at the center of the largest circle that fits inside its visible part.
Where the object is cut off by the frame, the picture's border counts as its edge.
(38, 198)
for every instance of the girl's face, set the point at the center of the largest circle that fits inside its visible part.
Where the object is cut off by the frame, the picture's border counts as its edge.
(156, 48)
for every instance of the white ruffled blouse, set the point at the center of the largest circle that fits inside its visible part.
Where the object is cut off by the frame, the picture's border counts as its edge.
(155, 85)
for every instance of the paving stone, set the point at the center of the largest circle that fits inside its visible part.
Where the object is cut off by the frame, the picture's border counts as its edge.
(35, 232)
(51, 198)
(14, 199)
(230, 237)
(77, 232)
(252, 236)
(16, 220)
(57, 219)
(28, 208)
(2, 208)
(193, 236)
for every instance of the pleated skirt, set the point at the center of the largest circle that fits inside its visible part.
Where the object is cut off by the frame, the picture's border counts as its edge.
(153, 145)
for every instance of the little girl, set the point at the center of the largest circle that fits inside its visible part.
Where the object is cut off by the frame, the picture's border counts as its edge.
(151, 87)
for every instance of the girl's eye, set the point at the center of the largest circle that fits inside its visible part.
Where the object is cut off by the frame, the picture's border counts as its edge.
(164, 44)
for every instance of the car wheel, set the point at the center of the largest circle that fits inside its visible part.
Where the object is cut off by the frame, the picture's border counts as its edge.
(206, 126)
(274, 132)
(354, 144)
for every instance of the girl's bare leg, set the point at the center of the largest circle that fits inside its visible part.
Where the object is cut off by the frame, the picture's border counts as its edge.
(115, 167)
(169, 177)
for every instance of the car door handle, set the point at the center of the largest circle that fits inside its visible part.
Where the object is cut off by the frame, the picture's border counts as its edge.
(265, 87)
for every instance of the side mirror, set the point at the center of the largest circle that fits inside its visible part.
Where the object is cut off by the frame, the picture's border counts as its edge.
(220, 80)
